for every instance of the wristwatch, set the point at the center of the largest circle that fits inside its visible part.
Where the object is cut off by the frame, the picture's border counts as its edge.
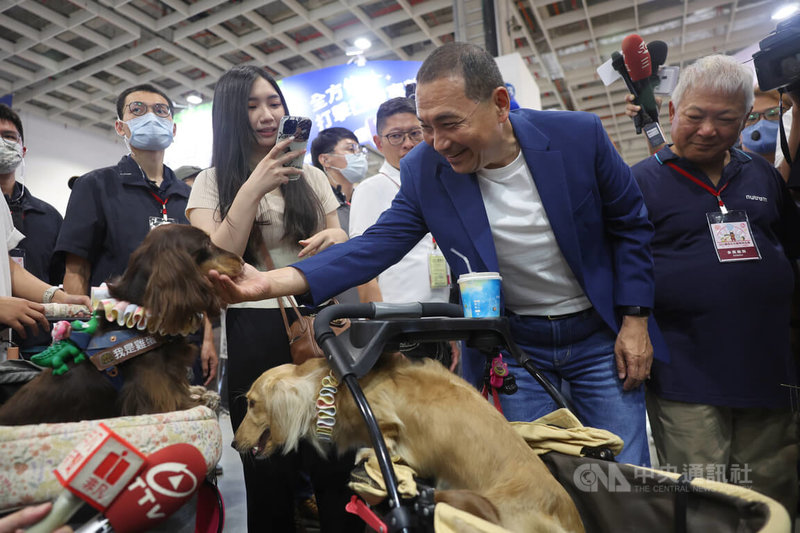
(47, 297)
(634, 310)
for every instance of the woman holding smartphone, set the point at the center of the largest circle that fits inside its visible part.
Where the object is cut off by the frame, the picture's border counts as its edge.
(252, 203)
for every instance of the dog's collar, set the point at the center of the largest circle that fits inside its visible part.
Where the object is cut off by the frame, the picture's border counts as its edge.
(326, 407)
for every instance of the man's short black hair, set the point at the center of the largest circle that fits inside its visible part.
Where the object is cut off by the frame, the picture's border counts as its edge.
(6, 113)
(467, 61)
(391, 107)
(146, 87)
(326, 141)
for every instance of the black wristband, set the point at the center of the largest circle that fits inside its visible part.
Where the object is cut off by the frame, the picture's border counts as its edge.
(634, 310)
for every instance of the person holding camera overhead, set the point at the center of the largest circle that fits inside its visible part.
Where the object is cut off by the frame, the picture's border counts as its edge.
(251, 203)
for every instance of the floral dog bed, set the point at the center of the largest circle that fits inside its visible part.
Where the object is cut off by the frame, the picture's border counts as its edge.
(28, 454)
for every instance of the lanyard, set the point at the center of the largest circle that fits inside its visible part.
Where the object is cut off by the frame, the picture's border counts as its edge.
(390, 179)
(713, 192)
(163, 204)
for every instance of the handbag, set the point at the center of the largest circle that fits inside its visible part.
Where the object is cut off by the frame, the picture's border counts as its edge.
(302, 344)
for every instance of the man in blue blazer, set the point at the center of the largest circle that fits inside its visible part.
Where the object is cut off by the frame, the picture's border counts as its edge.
(544, 199)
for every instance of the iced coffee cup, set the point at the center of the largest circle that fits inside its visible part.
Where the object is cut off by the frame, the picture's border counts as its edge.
(480, 294)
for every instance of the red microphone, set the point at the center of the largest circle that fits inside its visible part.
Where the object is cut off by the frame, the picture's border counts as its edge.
(640, 66)
(96, 471)
(169, 479)
(637, 57)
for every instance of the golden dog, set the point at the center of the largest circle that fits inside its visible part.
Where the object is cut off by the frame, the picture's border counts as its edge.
(435, 421)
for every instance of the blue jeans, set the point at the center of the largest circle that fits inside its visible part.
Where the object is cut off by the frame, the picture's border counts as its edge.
(578, 349)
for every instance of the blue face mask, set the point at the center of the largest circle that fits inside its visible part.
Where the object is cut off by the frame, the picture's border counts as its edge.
(761, 137)
(150, 132)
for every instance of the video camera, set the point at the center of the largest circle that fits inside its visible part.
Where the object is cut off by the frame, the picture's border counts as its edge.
(777, 62)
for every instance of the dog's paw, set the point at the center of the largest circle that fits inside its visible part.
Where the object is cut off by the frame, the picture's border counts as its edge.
(203, 396)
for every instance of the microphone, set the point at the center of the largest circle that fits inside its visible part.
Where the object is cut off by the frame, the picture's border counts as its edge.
(640, 67)
(658, 55)
(169, 479)
(95, 472)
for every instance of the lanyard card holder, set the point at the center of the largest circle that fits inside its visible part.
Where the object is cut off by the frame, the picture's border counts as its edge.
(732, 237)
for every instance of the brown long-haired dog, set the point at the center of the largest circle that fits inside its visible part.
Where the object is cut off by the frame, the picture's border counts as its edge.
(165, 275)
(434, 420)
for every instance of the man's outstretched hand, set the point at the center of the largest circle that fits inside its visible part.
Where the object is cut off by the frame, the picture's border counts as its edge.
(248, 286)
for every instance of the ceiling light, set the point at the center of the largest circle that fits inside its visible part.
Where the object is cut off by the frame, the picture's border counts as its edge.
(786, 11)
(194, 99)
(363, 43)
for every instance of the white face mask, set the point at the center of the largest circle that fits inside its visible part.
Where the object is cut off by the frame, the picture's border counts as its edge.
(10, 156)
(150, 132)
(356, 169)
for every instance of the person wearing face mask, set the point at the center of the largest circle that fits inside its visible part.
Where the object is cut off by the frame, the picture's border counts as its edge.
(22, 291)
(760, 134)
(111, 209)
(35, 218)
(39, 221)
(337, 152)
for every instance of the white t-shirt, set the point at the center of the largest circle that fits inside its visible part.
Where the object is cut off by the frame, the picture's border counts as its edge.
(408, 280)
(205, 195)
(536, 277)
(12, 237)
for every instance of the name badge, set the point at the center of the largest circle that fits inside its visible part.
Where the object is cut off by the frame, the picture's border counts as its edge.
(157, 221)
(732, 237)
(438, 272)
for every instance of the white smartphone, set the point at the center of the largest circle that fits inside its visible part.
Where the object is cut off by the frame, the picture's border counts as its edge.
(299, 127)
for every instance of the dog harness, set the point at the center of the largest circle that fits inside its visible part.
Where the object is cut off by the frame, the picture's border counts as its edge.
(79, 340)
(326, 407)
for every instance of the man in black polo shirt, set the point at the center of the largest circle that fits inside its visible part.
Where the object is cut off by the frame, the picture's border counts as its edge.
(111, 209)
(724, 226)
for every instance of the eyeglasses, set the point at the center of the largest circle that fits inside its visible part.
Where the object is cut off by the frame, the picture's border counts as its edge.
(396, 138)
(772, 113)
(140, 108)
(353, 148)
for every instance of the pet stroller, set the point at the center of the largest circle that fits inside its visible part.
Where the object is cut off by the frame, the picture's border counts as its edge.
(609, 496)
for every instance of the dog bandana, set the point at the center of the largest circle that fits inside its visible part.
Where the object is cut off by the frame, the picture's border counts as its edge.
(326, 407)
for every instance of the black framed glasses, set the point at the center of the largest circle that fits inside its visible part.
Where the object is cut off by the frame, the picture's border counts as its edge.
(140, 108)
(397, 137)
(773, 113)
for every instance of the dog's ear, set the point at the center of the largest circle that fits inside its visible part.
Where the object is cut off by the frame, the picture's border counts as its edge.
(292, 410)
(176, 292)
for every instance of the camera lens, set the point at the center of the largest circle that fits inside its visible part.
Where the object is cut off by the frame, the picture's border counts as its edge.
(290, 126)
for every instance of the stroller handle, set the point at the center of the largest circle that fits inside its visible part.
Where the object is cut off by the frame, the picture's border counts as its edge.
(381, 311)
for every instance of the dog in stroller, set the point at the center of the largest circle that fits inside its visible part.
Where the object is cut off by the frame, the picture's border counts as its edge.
(435, 421)
(166, 275)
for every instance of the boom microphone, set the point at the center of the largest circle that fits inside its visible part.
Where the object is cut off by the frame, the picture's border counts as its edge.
(640, 67)
(95, 472)
(169, 479)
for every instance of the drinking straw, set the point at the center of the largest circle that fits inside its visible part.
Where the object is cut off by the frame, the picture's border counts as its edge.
(462, 256)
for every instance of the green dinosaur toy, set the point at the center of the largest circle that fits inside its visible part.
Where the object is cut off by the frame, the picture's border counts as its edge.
(68, 347)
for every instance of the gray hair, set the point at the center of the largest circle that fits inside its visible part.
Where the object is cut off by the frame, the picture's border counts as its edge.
(716, 73)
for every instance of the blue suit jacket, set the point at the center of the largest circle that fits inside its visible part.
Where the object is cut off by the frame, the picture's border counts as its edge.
(593, 203)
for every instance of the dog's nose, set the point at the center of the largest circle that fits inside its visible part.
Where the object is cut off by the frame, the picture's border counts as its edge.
(235, 445)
